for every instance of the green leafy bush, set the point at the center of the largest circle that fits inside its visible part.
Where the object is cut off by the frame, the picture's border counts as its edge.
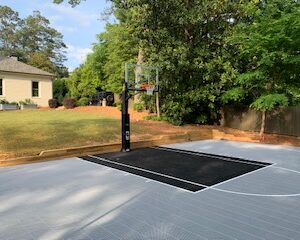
(118, 105)
(69, 103)
(149, 102)
(233, 95)
(60, 90)
(27, 101)
(3, 101)
(176, 113)
(83, 102)
(53, 103)
(201, 119)
(139, 107)
(155, 118)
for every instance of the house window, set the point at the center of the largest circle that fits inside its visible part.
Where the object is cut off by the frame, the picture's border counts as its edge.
(1, 87)
(35, 89)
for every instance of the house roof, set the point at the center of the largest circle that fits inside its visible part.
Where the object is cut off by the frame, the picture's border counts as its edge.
(8, 64)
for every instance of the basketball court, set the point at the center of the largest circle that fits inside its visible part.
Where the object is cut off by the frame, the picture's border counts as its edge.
(196, 190)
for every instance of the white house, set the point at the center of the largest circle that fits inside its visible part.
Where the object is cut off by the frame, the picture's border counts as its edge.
(19, 81)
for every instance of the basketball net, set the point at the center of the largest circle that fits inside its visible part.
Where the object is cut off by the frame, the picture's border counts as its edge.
(150, 89)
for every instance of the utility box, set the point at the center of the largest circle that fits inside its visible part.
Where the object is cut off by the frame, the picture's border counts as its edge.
(104, 102)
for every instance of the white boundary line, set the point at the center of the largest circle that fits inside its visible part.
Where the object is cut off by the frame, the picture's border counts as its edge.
(210, 156)
(202, 185)
(287, 169)
(145, 170)
(147, 180)
(237, 177)
(255, 194)
(155, 173)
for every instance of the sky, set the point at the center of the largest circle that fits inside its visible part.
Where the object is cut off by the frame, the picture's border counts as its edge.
(79, 25)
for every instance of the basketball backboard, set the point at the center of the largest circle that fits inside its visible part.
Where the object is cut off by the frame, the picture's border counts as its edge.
(142, 78)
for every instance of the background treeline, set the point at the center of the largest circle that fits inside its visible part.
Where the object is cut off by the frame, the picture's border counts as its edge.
(211, 53)
(32, 40)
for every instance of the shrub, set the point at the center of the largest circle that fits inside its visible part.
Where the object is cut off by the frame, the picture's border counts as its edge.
(177, 112)
(27, 101)
(53, 103)
(3, 101)
(60, 90)
(69, 103)
(149, 102)
(201, 119)
(139, 107)
(83, 102)
(155, 118)
(119, 106)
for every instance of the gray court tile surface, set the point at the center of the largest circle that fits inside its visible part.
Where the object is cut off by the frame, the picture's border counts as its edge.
(76, 199)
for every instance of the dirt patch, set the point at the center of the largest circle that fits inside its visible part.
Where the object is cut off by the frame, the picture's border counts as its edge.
(164, 128)
(6, 156)
(137, 118)
(111, 112)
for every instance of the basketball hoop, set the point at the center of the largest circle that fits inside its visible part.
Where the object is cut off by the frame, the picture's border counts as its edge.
(138, 78)
(150, 89)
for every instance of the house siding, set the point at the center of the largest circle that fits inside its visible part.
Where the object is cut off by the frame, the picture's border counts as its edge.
(18, 87)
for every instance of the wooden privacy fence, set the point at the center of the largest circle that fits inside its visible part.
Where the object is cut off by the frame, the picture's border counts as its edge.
(284, 121)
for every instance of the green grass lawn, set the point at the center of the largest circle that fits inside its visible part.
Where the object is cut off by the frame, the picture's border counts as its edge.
(30, 132)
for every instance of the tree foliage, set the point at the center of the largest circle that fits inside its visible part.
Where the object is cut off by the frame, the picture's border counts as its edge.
(83, 81)
(71, 2)
(10, 24)
(186, 39)
(267, 57)
(120, 48)
(32, 40)
(60, 89)
(210, 52)
(104, 67)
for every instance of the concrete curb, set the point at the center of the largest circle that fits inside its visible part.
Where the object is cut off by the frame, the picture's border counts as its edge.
(103, 148)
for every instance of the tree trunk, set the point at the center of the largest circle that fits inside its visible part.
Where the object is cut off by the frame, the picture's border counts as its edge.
(139, 70)
(263, 124)
(157, 105)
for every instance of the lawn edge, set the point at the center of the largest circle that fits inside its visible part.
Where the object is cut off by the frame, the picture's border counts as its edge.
(56, 154)
(215, 133)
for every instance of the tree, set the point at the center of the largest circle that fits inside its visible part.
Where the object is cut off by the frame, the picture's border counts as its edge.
(104, 67)
(186, 39)
(40, 60)
(60, 89)
(121, 48)
(72, 2)
(10, 23)
(38, 37)
(83, 82)
(212, 52)
(90, 76)
(96, 62)
(72, 83)
(268, 64)
(32, 40)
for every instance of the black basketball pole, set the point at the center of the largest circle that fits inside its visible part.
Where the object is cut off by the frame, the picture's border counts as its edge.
(125, 120)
